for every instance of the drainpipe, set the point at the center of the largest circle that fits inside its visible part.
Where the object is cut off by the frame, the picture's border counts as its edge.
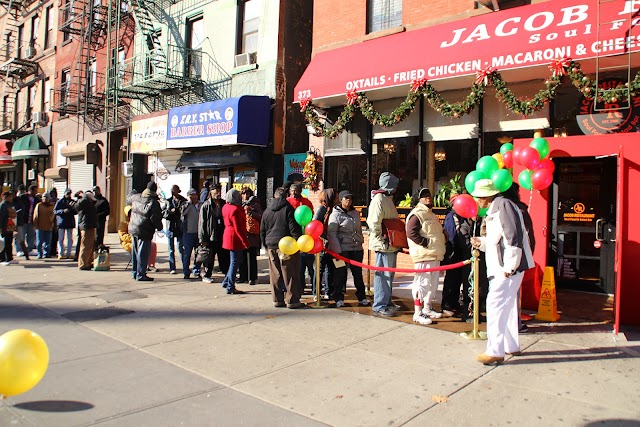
(421, 142)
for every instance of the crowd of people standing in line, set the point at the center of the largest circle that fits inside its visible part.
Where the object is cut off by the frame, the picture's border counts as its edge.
(42, 224)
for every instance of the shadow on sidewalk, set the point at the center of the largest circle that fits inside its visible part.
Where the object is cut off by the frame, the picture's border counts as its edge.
(54, 406)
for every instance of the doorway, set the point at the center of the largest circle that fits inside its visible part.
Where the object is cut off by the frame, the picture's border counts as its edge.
(583, 223)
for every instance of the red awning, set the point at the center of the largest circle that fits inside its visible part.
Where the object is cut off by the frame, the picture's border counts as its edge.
(524, 36)
(5, 152)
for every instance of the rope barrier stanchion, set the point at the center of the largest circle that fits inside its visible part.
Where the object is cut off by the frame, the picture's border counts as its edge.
(318, 303)
(398, 270)
(475, 334)
(368, 292)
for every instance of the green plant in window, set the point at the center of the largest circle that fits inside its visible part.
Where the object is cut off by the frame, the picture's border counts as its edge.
(406, 203)
(455, 185)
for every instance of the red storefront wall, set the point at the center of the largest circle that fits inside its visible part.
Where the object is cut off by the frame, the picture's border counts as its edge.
(627, 264)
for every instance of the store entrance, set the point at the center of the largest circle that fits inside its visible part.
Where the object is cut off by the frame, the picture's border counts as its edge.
(583, 212)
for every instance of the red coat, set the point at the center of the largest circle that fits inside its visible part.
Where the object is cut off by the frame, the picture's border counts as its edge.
(235, 228)
(299, 202)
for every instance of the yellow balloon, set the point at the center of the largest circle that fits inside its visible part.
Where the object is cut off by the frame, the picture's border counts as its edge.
(305, 243)
(24, 358)
(288, 245)
(500, 160)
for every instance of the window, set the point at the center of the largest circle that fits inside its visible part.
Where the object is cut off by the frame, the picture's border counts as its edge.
(383, 14)
(35, 23)
(93, 76)
(121, 58)
(46, 95)
(65, 83)
(195, 38)
(48, 29)
(31, 100)
(6, 112)
(20, 41)
(67, 15)
(250, 22)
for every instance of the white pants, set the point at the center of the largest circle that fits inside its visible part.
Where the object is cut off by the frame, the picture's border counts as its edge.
(502, 315)
(425, 285)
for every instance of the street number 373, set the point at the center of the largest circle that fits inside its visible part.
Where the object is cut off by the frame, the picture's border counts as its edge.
(304, 94)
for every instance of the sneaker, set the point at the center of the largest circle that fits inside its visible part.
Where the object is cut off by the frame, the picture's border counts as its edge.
(172, 272)
(279, 304)
(207, 280)
(364, 302)
(394, 307)
(448, 313)
(146, 279)
(296, 305)
(20, 253)
(421, 319)
(186, 277)
(523, 329)
(60, 257)
(4, 263)
(14, 262)
(235, 292)
(429, 312)
(339, 304)
(485, 359)
(253, 282)
(153, 269)
(385, 312)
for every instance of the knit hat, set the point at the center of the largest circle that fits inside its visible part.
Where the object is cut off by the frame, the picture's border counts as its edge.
(388, 181)
(192, 192)
(152, 186)
(345, 193)
(484, 188)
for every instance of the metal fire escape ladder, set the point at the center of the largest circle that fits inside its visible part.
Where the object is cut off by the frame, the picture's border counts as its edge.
(607, 63)
(142, 17)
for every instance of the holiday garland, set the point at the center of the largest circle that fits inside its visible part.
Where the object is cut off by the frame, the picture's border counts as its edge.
(489, 76)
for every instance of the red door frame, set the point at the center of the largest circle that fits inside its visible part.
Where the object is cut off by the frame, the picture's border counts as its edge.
(627, 266)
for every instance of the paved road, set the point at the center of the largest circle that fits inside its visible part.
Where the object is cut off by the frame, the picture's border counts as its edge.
(171, 353)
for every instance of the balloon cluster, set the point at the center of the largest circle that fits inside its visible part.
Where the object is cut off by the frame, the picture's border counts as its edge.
(24, 358)
(498, 168)
(310, 242)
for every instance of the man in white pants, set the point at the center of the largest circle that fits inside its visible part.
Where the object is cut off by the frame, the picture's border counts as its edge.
(426, 247)
(508, 255)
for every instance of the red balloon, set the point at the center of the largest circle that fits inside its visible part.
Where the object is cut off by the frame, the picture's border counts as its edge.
(529, 158)
(465, 206)
(318, 245)
(314, 228)
(507, 158)
(516, 155)
(541, 179)
(547, 164)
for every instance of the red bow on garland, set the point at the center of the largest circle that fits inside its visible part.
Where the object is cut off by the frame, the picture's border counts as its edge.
(483, 76)
(416, 84)
(304, 103)
(559, 67)
(352, 95)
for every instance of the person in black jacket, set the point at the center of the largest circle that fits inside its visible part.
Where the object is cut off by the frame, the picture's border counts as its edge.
(19, 206)
(103, 209)
(66, 222)
(146, 218)
(7, 227)
(210, 232)
(277, 222)
(87, 223)
(172, 213)
(328, 199)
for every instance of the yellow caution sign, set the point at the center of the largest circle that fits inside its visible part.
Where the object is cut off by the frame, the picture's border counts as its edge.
(548, 307)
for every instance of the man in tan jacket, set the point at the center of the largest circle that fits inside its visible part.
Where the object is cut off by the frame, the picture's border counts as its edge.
(43, 223)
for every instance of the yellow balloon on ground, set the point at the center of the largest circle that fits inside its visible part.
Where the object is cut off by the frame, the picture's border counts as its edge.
(500, 160)
(288, 245)
(305, 243)
(24, 358)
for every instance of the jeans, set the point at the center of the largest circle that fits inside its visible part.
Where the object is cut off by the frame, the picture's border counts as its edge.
(62, 232)
(171, 235)
(6, 255)
(249, 268)
(229, 280)
(30, 236)
(383, 280)
(189, 244)
(340, 276)
(306, 264)
(140, 251)
(53, 248)
(20, 243)
(44, 240)
(223, 259)
(327, 270)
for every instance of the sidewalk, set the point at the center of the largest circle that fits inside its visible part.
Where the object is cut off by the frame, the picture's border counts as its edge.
(172, 352)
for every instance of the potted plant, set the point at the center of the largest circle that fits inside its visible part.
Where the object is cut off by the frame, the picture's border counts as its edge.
(441, 201)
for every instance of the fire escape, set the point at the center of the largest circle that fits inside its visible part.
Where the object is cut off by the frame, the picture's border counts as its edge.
(160, 75)
(16, 66)
(82, 91)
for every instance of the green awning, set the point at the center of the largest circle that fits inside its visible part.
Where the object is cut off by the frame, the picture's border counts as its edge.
(29, 146)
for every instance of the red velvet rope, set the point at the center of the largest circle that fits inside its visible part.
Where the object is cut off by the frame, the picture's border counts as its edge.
(398, 270)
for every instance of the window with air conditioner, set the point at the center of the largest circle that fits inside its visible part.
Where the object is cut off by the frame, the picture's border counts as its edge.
(39, 117)
(383, 14)
(250, 11)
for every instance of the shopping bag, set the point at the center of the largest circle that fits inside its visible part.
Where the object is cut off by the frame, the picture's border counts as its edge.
(102, 259)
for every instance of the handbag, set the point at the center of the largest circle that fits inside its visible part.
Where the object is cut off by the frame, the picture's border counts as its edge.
(204, 255)
(393, 229)
(11, 226)
(102, 259)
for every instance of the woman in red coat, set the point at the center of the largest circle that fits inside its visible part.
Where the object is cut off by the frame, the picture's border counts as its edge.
(235, 238)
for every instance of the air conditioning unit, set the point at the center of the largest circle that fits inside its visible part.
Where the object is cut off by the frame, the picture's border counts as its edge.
(39, 117)
(245, 59)
(30, 52)
(127, 169)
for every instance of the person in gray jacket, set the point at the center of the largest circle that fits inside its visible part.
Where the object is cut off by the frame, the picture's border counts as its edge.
(344, 233)
(146, 218)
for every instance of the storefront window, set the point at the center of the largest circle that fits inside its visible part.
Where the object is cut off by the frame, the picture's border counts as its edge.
(460, 157)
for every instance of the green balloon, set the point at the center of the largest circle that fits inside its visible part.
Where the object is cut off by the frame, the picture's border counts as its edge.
(487, 165)
(506, 147)
(502, 179)
(303, 215)
(525, 179)
(471, 179)
(482, 212)
(542, 146)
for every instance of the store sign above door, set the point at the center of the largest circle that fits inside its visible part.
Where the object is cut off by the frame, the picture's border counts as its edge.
(520, 37)
(243, 120)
